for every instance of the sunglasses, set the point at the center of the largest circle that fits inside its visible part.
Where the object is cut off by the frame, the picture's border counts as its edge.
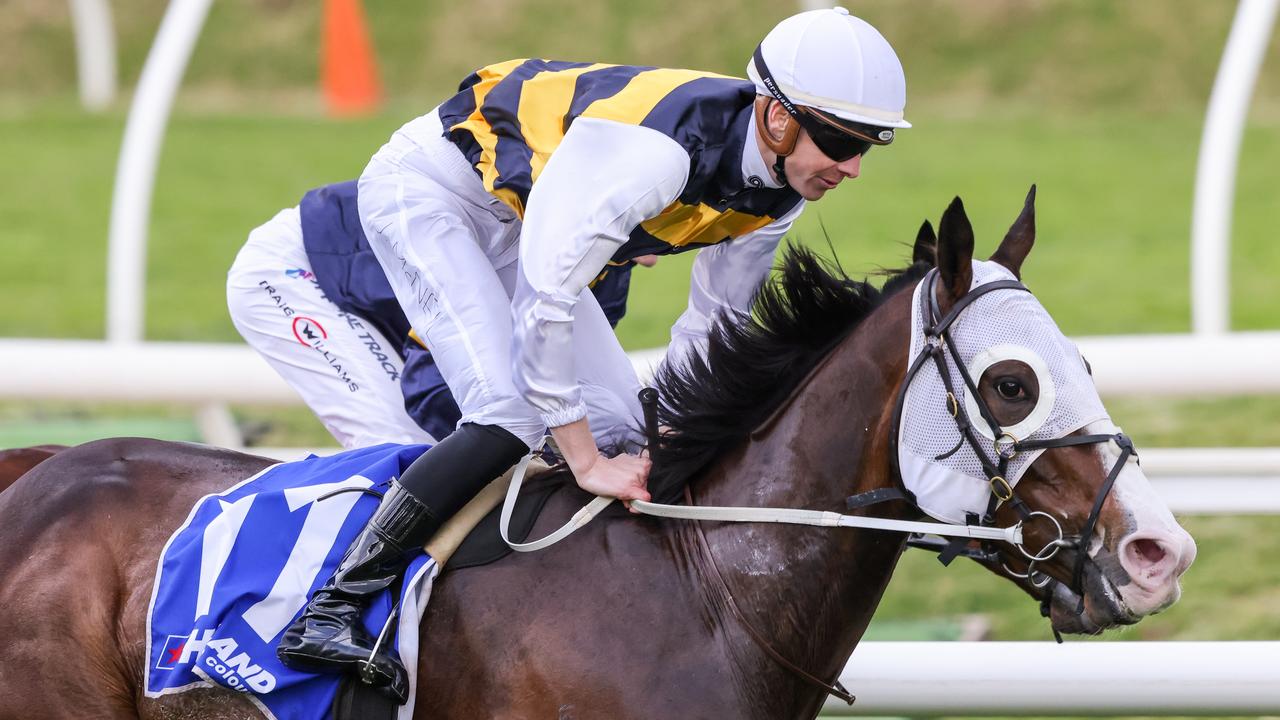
(837, 143)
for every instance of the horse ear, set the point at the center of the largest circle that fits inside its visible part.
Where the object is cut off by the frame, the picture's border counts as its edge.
(955, 253)
(926, 247)
(1017, 242)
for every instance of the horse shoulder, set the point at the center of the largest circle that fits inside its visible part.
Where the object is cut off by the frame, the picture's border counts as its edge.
(615, 600)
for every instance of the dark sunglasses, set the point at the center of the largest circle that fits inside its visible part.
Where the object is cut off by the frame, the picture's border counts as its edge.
(837, 144)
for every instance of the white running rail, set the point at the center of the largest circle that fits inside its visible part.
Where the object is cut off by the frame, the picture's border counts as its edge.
(136, 169)
(922, 679)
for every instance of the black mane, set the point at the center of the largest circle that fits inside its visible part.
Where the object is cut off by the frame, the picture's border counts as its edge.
(751, 365)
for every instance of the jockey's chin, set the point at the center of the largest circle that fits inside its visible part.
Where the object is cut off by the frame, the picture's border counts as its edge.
(811, 173)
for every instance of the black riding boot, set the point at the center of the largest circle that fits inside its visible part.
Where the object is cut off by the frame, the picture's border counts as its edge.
(328, 636)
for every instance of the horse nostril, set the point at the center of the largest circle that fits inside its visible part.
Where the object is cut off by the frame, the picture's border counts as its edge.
(1150, 561)
(1148, 550)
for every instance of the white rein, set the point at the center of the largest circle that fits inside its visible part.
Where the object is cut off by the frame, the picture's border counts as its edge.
(788, 516)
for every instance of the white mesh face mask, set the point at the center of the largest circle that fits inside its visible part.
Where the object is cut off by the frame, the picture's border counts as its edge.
(1000, 325)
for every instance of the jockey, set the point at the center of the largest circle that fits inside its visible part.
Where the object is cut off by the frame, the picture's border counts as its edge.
(492, 213)
(306, 292)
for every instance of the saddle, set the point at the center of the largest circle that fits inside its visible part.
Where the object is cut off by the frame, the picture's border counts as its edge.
(471, 538)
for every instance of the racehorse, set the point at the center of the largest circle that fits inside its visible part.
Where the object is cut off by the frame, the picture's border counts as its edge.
(639, 617)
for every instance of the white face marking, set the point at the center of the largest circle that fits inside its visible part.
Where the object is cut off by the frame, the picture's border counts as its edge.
(1133, 492)
(1152, 582)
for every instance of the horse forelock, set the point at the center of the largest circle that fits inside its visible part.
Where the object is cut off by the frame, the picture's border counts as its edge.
(714, 398)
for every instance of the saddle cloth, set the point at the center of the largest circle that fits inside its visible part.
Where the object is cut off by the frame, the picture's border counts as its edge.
(240, 569)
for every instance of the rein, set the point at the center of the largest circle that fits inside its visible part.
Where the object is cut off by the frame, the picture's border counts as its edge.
(786, 516)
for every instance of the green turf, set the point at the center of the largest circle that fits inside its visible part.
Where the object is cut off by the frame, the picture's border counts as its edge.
(75, 431)
(1066, 57)
(1113, 218)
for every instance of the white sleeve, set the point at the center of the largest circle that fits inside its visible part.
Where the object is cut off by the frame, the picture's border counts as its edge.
(604, 179)
(725, 278)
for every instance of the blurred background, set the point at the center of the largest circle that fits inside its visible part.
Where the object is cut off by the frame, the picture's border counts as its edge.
(1101, 103)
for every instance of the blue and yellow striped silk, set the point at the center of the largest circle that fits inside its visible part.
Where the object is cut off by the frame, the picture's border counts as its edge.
(510, 117)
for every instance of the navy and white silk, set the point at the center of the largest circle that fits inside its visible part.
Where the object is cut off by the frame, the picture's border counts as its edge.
(240, 569)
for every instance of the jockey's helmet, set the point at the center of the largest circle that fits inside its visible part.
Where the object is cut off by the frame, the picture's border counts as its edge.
(836, 76)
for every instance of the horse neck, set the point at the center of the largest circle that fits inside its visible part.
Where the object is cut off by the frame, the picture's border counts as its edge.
(811, 591)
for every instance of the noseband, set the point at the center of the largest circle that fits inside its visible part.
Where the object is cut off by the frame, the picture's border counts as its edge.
(937, 346)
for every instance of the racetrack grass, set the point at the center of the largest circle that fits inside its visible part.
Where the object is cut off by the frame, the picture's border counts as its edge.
(1113, 215)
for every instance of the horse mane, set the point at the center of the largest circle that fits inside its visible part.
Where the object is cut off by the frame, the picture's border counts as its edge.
(715, 397)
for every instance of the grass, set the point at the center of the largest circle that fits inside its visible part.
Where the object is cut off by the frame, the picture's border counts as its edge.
(1113, 215)
(1067, 57)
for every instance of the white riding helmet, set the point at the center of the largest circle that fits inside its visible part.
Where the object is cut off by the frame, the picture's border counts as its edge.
(836, 63)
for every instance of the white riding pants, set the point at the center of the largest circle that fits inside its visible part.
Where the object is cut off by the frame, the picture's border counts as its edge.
(344, 369)
(450, 251)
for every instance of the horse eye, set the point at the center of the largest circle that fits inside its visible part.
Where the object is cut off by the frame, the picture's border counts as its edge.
(1010, 389)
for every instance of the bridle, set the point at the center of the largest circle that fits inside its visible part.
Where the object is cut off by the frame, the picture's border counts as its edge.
(938, 346)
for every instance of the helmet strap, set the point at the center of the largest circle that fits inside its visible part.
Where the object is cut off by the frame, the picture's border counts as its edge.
(779, 169)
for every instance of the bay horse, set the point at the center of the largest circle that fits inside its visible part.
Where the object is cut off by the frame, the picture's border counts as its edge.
(634, 617)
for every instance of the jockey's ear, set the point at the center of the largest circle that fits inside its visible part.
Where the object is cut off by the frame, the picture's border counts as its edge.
(926, 247)
(1017, 242)
(955, 254)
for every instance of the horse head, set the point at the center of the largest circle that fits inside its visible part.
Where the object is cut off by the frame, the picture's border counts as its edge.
(1034, 444)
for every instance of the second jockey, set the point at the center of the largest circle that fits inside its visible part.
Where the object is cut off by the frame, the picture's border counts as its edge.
(307, 293)
(491, 215)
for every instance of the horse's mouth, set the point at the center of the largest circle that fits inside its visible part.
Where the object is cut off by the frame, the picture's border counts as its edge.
(1104, 608)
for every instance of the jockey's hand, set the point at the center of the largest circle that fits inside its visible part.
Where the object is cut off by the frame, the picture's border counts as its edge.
(623, 477)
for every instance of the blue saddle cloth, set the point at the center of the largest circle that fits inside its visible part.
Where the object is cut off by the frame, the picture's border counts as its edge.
(240, 569)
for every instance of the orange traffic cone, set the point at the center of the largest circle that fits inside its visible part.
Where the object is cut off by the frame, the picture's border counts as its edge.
(348, 71)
